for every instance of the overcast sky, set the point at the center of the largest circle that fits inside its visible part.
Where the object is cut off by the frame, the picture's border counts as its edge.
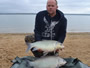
(34, 6)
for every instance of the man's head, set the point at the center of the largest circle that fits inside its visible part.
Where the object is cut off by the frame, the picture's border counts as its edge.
(52, 7)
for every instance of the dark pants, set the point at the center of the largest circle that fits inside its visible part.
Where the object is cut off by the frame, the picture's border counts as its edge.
(30, 38)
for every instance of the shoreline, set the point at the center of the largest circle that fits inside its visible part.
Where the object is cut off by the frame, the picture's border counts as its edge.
(32, 32)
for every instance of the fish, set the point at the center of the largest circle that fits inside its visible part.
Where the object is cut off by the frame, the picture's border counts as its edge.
(45, 45)
(47, 62)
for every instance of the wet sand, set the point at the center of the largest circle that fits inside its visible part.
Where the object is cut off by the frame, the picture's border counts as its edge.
(77, 45)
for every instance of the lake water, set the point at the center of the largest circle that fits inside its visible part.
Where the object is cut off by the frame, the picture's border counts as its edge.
(24, 23)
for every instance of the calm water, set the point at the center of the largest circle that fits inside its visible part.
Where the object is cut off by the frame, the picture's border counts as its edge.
(24, 23)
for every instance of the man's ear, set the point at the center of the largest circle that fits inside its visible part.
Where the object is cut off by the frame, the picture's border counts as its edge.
(57, 7)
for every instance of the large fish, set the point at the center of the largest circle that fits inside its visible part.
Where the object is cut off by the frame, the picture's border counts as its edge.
(46, 46)
(47, 62)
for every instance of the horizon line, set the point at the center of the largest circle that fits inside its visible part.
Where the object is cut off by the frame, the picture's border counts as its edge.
(36, 13)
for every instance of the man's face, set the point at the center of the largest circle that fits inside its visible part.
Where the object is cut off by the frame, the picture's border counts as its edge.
(51, 7)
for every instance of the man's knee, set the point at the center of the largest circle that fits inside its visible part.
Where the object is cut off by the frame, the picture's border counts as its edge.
(29, 38)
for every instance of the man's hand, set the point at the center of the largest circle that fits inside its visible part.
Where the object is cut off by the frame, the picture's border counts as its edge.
(39, 50)
(57, 50)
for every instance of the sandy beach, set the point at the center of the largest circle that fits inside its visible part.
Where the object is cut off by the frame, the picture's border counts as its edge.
(77, 45)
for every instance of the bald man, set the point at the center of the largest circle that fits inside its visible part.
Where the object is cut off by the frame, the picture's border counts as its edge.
(50, 24)
(51, 7)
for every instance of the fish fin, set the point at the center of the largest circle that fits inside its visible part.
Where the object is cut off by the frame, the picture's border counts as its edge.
(34, 49)
(57, 54)
(44, 54)
(29, 47)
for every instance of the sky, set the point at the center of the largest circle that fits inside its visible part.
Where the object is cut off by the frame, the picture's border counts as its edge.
(34, 6)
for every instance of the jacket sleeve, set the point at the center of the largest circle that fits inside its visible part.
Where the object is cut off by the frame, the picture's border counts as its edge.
(63, 30)
(37, 29)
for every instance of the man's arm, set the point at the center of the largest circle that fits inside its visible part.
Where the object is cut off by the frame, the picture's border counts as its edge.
(37, 29)
(63, 30)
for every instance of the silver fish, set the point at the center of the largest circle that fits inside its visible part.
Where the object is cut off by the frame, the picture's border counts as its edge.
(47, 62)
(45, 45)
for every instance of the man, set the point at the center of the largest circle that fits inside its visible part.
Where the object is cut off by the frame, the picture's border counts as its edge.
(50, 24)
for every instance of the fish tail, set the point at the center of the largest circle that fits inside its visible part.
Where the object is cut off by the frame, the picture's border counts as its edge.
(44, 54)
(29, 47)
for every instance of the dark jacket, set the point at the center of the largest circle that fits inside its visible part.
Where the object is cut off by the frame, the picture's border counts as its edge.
(50, 28)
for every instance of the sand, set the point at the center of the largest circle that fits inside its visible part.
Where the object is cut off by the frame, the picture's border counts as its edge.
(77, 45)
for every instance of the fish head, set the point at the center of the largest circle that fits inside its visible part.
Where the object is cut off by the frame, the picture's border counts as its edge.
(61, 61)
(59, 46)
